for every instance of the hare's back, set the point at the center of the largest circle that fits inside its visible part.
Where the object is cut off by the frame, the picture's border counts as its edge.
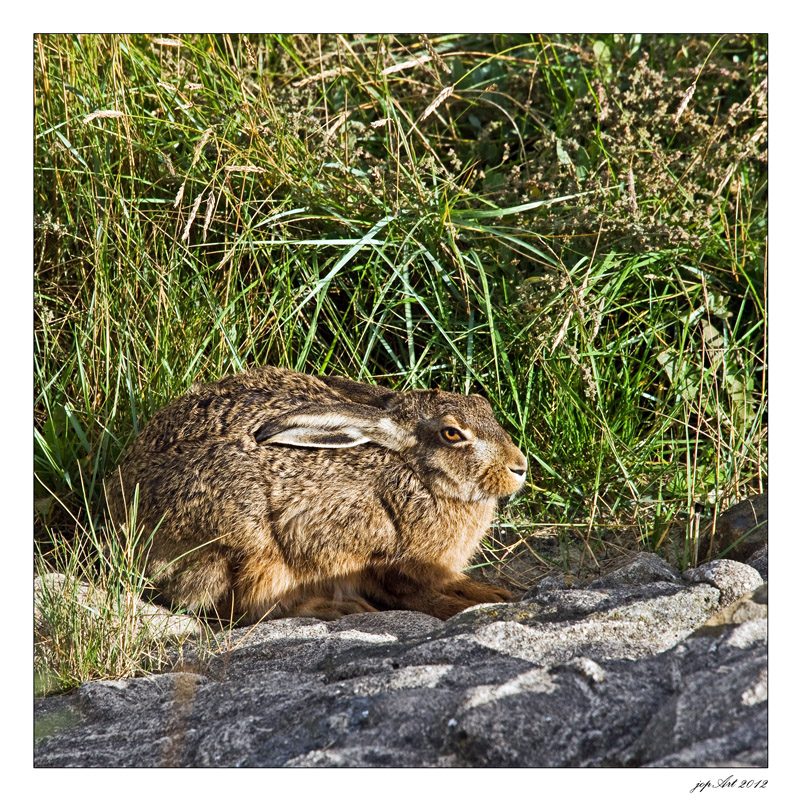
(234, 406)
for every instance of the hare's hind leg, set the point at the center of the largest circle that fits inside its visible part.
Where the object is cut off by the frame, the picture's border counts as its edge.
(263, 587)
(327, 608)
(200, 582)
(267, 588)
(332, 598)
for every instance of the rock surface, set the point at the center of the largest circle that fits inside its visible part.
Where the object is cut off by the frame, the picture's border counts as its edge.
(732, 578)
(741, 530)
(760, 561)
(609, 675)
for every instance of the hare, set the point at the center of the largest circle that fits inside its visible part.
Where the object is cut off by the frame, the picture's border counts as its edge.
(273, 493)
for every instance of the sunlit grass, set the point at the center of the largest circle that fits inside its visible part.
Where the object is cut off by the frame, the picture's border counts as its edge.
(525, 217)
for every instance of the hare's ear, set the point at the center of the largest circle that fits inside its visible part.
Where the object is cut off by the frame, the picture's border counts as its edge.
(344, 425)
(309, 436)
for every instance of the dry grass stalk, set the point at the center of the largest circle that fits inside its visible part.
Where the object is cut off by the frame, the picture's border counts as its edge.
(201, 144)
(685, 102)
(562, 331)
(437, 59)
(243, 168)
(192, 215)
(251, 53)
(414, 62)
(321, 76)
(102, 115)
(168, 162)
(210, 205)
(440, 98)
(632, 193)
(337, 123)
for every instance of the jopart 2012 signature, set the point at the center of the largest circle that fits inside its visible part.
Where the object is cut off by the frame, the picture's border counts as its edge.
(730, 783)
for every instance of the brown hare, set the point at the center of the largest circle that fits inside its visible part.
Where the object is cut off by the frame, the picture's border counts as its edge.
(274, 493)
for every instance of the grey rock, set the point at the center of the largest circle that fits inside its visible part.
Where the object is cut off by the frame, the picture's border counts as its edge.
(760, 562)
(628, 622)
(549, 582)
(741, 530)
(677, 735)
(605, 676)
(752, 606)
(644, 568)
(402, 624)
(732, 578)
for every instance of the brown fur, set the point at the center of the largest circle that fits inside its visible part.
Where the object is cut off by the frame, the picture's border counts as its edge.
(274, 493)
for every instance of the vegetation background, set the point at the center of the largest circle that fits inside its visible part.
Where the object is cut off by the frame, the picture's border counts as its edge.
(574, 226)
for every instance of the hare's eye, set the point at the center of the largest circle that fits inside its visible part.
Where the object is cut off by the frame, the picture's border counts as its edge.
(452, 435)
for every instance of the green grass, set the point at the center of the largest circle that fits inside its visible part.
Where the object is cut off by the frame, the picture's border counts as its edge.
(550, 232)
(90, 623)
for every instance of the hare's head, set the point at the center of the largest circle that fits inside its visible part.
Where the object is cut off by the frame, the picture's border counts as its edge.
(460, 446)
(453, 442)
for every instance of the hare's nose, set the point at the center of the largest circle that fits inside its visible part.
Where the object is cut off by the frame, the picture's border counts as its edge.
(519, 466)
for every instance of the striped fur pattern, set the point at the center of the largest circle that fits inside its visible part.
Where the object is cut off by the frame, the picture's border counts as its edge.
(273, 493)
